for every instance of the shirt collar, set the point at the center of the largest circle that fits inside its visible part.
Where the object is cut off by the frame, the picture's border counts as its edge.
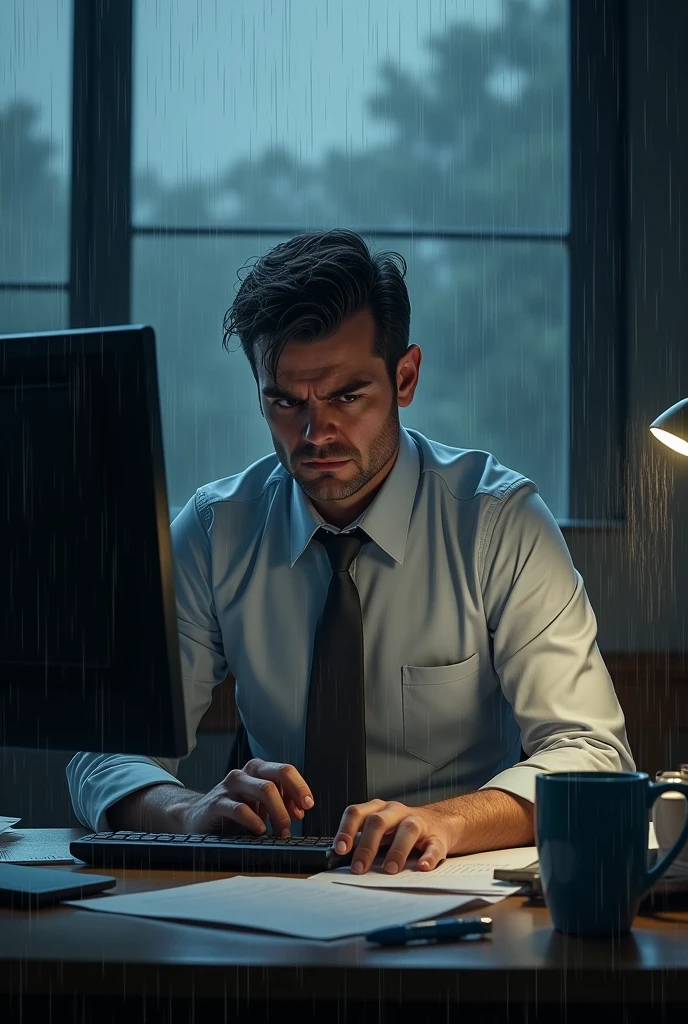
(386, 520)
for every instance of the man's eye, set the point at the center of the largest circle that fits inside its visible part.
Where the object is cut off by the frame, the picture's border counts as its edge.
(279, 402)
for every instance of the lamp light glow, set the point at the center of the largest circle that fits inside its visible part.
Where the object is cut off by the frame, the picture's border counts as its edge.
(677, 443)
(671, 428)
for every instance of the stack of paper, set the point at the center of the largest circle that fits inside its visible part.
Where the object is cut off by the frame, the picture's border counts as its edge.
(471, 874)
(36, 845)
(316, 908)
(292, 906)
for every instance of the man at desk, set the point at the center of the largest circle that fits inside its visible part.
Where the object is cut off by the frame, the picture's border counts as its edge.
(399, 624)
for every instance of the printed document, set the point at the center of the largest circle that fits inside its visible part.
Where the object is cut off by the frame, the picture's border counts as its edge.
(36, 846)
(470, 874)
(293, 906)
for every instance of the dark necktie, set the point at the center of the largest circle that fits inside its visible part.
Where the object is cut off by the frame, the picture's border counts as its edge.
(335, 761)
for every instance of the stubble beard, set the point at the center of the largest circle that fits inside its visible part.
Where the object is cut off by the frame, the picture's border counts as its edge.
(330, 488)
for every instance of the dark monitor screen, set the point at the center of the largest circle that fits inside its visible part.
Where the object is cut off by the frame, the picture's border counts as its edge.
(89, 654)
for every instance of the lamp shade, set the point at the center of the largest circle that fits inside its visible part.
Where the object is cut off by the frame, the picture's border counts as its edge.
(671, 428)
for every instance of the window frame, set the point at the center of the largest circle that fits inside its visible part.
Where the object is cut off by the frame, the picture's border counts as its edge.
(102, 232)
(597, 262)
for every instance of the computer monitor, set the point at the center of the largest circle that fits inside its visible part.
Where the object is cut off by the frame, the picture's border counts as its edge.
(89, 653)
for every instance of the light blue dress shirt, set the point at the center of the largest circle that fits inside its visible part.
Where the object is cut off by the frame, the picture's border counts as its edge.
(478, 633)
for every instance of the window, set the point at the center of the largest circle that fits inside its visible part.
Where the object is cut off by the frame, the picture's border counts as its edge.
(35, 161)
(482, 139)
(441, 135)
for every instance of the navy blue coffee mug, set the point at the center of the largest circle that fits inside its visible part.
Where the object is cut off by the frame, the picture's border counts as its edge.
(591, 833)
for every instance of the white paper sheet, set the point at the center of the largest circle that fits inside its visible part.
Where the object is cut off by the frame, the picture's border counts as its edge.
(36, 846)
(6, 823)
(293, 906)
(470, 874)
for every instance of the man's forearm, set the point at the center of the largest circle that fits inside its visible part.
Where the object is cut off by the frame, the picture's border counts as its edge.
(490, 819)
(157, 808)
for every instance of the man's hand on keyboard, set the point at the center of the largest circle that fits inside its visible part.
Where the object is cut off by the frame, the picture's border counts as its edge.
(248, 796)
(404, 828)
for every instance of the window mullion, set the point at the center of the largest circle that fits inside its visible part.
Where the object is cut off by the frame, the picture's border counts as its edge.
(100, 238)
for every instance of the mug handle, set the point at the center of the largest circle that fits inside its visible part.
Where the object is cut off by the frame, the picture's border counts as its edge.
(655, 790)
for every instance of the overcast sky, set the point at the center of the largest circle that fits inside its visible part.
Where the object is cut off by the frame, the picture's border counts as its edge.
(218, 79)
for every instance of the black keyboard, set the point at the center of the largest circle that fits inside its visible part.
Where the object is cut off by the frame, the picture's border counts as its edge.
(188, 852)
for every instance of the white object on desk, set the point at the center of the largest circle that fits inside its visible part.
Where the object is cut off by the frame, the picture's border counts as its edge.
(473, 873)
(652, 843)
(669, 815)
(6, 823)
(292, 906)
(36, 846)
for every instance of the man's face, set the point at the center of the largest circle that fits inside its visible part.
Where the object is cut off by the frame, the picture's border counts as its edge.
(360, 427)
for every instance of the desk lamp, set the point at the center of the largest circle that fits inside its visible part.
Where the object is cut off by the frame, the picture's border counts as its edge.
(671, 428)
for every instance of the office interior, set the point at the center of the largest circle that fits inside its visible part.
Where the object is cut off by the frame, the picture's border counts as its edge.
(634, 562)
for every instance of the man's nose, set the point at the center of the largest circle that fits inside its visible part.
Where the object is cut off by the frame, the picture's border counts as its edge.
(319, 427)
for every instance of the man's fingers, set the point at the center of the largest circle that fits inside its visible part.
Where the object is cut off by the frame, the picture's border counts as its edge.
(225, 810)
(376, 826)
(351, 822)
(260, 810)
(294, 810)
(277, 789)
(248, 789)
(434, 852)
(407, 835)
(286, 777)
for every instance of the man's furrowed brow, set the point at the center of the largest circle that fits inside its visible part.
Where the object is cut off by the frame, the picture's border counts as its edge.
(272, 391)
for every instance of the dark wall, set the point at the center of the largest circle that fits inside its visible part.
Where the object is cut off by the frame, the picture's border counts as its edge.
(637, 576)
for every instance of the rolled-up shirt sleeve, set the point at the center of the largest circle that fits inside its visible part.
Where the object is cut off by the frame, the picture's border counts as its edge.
(96, 781)
(545, 652)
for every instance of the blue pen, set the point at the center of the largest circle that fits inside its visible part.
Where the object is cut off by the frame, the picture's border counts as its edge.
(443, 930)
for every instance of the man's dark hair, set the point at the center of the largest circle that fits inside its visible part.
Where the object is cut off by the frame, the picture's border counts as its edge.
(306, 287)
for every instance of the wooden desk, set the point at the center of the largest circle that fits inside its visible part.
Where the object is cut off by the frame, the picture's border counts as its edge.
(89, 966)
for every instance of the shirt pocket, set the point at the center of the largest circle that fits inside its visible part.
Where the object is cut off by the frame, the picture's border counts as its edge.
(441, 708)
